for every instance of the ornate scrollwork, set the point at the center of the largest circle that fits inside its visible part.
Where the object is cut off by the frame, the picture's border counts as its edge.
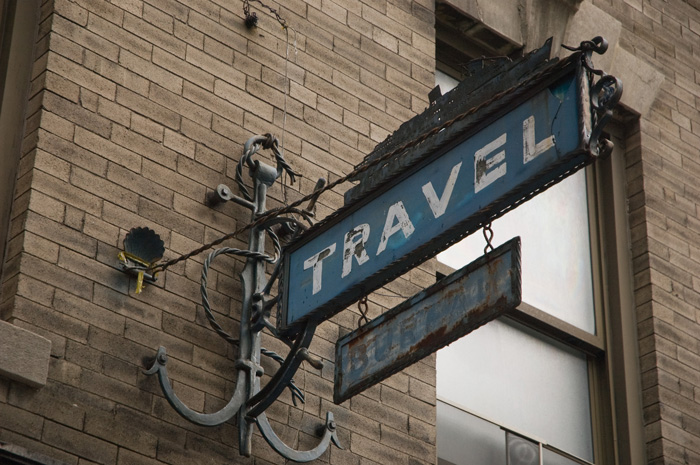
(605, 93)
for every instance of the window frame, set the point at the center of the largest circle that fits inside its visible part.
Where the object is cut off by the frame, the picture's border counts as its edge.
(612, 352)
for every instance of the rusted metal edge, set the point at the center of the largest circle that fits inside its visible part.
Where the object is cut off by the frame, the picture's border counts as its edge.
(473, 319)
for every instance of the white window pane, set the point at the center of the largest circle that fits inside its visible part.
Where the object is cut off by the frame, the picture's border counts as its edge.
(463, 439)
(446, 83)
(552, 458)
(556, 258)
(517, 378)
(522, 451)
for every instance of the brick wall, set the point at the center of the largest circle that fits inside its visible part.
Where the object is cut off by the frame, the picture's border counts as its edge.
(139, 108)
(663, 168)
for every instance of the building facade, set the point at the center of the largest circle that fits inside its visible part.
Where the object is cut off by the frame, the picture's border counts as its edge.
(129, 113)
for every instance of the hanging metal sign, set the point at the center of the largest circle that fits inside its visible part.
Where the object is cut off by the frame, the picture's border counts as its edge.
(451, 308)
(535, 139)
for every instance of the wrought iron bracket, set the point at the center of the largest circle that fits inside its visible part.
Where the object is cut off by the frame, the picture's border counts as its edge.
(605, 93)
(249, 401)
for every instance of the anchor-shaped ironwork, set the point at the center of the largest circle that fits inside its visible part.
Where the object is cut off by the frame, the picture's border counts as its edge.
(249, 400)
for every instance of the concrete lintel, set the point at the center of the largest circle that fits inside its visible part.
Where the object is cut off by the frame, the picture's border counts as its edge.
(641, 82)
(24, 356)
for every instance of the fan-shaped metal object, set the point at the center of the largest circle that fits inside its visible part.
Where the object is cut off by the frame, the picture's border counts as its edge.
(142, 248)
(144, 244)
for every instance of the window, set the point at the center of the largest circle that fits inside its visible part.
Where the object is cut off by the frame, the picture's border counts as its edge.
(536, 387)
(528, 380)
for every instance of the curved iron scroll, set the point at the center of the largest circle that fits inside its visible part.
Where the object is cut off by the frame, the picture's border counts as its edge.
(302, 456)
(272, 390)
(604, 94)
(204, 419)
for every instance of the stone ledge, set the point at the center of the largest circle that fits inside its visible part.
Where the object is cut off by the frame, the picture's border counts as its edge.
(641, 82)
(24, 356)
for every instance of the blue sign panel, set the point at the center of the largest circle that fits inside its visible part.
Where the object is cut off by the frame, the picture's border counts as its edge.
(451, 308)
(510, 159)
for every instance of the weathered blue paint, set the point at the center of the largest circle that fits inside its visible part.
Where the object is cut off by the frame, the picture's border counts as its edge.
(453, 307)
(510, 159)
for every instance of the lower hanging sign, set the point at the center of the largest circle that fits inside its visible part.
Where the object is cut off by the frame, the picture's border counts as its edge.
(439, 315)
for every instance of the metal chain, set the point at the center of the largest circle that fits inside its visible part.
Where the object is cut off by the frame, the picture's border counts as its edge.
(292, 207)
(203, 286)
(363, 307)
(382, 159)
(488, 235)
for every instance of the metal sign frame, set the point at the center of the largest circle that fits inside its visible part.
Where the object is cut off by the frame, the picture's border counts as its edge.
(452, 136)
(458, 304)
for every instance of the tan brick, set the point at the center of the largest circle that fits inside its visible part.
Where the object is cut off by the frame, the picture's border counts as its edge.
(55, 276)
(209, 138)
(169, 219)
(211, 28)
(89, 268)
(219, 51)
(147, 108)
(71, 11)
(46, 318)
(74, 218)
(21, 421)
(377, 452)
(349, 61)
(80, 76)
(107, 190)
(146, 127)
(120, 75)
(66, 48)
(179, 143)
(148, 70)
(242, 99)
(76, 114)
(188, 71)
(57, 125)
(188, 34)
(90, 313)
(213, 64)
(81, 36)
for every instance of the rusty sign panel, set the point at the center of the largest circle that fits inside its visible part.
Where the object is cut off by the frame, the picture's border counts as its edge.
(508, 158)
(451, 308)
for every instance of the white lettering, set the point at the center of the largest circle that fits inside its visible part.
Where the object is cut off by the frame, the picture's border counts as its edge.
(354, 246)
(530, 149)
(438, 206)
(396, 212)
(484, 171)
(316, 261)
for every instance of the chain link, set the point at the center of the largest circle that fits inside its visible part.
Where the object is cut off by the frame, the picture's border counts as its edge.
(363, 307)
(488, 235)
